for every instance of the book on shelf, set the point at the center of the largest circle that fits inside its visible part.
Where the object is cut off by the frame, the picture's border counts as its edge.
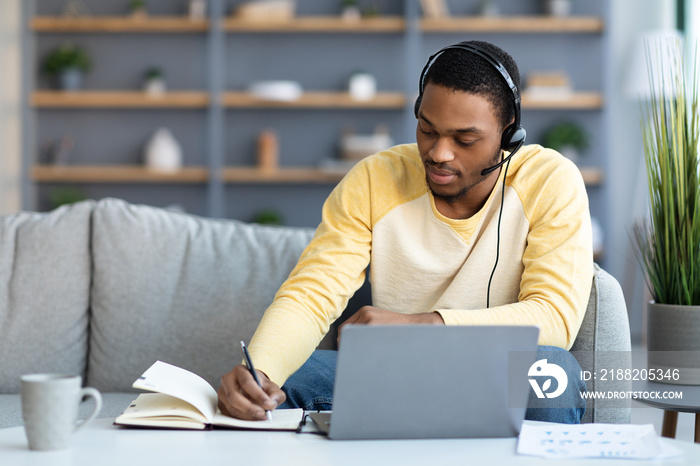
(181, 399)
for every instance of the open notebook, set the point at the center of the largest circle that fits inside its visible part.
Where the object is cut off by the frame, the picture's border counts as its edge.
(184, 400)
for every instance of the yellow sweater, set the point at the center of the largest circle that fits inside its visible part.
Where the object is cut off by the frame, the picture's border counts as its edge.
(383, 213)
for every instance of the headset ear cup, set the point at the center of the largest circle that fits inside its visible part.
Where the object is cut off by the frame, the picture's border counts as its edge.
(513, 136)
(416, 107)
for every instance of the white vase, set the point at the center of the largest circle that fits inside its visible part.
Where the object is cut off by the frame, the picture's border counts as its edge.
(362, 86)
(155, 86)
(163, 152)
(559, 8)
(197, 9)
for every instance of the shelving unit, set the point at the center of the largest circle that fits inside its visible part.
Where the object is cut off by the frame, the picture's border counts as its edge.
(383, 100)
(513, 25)
(119, 99)
(139, 174)
(218, 120)
(318, 24)
(116, 174)
(119, 24)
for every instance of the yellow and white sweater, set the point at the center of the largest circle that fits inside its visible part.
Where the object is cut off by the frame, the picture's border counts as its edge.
(382, 213)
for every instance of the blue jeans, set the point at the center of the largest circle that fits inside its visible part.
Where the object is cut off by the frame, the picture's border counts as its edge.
(311, 387)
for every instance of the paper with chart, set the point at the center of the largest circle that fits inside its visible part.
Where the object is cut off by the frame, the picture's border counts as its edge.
(624, 441)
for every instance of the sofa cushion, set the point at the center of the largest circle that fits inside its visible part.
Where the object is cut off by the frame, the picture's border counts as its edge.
(179, 288)
(44, 288)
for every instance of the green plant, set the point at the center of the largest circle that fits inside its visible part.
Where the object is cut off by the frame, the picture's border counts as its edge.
(565, 133)
(668, 244)
(65, 195)
(137, 4)
(153, 73)
(268, 217)
(65, 57)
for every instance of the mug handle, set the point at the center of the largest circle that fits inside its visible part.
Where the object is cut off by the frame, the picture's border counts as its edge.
(91, 393)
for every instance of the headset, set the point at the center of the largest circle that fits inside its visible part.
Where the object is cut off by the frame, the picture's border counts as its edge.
(513, 136)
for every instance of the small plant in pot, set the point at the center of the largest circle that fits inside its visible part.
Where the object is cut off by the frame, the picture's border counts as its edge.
(566, 137)
(67, 64)
(668, 243)
(138, 9)
(154, 81)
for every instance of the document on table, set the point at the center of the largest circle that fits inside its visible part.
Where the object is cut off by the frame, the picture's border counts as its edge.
(562, 441)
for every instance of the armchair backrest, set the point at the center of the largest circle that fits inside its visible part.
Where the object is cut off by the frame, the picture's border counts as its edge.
(605, 328)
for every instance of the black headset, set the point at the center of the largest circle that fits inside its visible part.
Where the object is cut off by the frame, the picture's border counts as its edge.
(513, 136)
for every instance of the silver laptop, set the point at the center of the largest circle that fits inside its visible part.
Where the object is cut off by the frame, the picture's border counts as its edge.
(427, 381)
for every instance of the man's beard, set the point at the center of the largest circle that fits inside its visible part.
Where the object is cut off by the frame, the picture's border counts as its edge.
(455, 197)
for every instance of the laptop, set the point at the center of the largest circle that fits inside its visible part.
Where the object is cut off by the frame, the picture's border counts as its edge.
(427, 381)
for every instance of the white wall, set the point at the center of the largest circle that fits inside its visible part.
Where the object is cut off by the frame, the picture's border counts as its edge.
(626, 177)
(10, 115)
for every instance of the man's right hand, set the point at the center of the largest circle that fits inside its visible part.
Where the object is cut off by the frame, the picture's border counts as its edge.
(241, 397)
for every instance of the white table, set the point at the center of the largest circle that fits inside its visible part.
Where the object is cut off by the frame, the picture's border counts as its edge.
(101, 443)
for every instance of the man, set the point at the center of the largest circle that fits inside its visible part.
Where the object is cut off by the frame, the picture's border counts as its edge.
(431, 218)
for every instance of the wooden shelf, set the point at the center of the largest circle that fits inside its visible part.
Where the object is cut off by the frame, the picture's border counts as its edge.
(578, 101)
(139, 174)
(329, 24)
(200, 99)
(118, 24)
(119, 99)
(298, 175)
(388, 100)
(320, 24)
(115, 174)
(514, 24)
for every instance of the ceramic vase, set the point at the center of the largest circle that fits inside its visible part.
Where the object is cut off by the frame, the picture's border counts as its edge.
(163, 152)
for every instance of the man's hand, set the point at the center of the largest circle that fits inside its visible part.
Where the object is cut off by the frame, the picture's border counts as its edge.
(370, 315)
(241, 397)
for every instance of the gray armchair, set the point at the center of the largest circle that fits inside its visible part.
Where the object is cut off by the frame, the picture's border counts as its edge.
(605, 336)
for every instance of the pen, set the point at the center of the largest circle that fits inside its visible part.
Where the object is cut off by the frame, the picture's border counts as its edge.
(249, 364)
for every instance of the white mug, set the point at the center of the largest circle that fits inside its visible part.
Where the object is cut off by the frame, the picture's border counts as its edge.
(50, 409)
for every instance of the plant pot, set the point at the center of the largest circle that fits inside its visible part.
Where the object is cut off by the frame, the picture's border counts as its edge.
(673, 341)
(70, 79)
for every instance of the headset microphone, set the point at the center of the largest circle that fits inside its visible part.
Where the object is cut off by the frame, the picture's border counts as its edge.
(486, 171)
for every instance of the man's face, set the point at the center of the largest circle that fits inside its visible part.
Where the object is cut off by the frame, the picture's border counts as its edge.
(458, 136)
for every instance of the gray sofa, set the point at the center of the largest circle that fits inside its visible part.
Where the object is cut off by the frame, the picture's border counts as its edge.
(106, 288)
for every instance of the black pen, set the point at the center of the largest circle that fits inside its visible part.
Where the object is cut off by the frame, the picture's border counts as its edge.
(249, 363)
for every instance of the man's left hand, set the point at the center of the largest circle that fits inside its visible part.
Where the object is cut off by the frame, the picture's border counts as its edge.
(371, 315)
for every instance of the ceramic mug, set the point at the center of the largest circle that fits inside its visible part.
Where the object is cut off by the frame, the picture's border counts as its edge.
(50, 409)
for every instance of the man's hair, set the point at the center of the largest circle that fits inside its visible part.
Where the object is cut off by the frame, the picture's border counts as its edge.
(462, 70)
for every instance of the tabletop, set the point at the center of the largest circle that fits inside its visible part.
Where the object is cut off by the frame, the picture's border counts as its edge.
(105, 444)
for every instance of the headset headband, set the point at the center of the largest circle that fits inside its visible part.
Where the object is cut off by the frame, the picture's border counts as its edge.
(486, 55)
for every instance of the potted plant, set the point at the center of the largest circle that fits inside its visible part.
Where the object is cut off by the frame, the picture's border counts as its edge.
(154, 81)
(668, 243)
(67, 64)
(566, 137)
(138, 9)
(351, 10)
